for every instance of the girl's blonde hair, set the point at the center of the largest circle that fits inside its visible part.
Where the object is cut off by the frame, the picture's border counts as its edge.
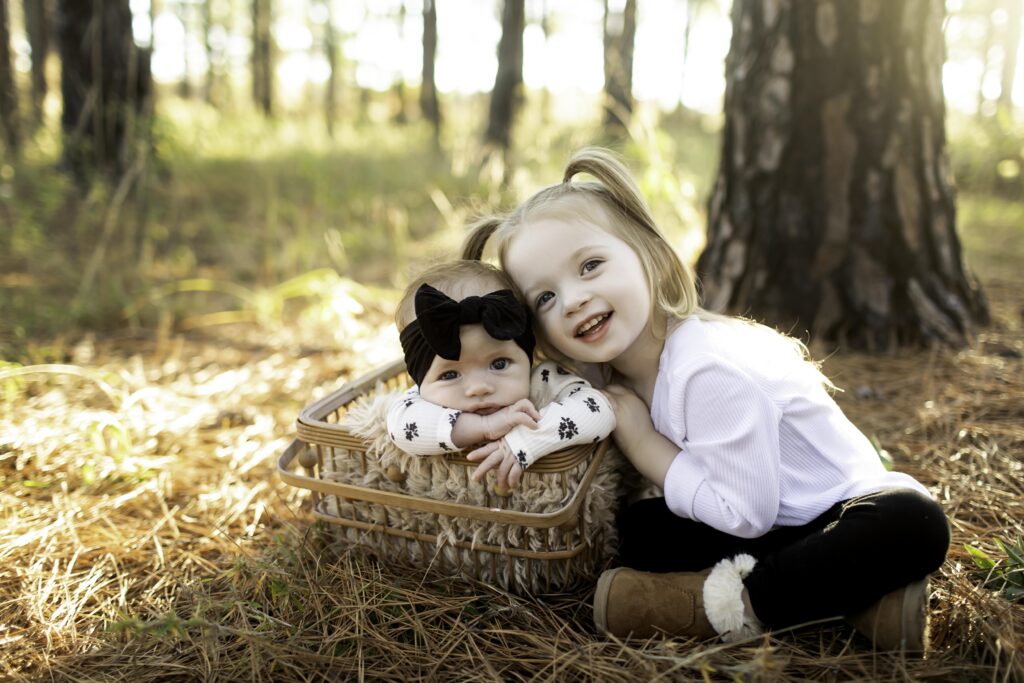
(457, 279)
(614, 203)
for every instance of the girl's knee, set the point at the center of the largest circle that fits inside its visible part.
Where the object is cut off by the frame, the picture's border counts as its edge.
(923, 525)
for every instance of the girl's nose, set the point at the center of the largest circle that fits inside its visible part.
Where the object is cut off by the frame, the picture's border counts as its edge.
(575, 300)
(478, 386)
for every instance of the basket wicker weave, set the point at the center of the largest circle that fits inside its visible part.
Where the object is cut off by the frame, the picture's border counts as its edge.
(554, 531)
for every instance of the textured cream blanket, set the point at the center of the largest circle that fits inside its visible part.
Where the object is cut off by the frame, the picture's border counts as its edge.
(480, 549)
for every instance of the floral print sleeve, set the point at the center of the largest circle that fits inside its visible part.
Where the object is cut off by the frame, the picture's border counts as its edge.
(419, 427)
(572, 412)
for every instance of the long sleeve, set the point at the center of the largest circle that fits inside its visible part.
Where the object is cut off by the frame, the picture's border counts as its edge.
(571, 413)
(420, 427)
(727, 473)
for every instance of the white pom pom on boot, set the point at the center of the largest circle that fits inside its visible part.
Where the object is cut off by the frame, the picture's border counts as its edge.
(723, 600)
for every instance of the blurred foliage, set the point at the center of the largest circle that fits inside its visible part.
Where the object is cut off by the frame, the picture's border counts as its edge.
(240, 219)
(987, 154)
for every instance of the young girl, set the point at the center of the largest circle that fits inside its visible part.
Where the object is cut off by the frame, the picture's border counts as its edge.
(776, 509)
(468, 346)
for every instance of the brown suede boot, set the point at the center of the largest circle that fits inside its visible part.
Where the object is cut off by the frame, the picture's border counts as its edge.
(630, 603)
(899, 621)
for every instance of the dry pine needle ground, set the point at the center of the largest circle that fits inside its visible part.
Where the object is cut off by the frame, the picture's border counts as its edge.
(145, 536)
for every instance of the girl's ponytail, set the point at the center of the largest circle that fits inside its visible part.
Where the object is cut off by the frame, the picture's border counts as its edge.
(615, 180)
(479, 233)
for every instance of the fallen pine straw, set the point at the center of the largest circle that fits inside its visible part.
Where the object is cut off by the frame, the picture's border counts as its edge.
(151, 540)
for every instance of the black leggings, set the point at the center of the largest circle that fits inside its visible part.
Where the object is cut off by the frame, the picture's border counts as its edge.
(854, 553)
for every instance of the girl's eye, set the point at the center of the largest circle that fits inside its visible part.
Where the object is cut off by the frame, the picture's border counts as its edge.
(448, 375)
(544, 298)
(590, 264)
(500, 363)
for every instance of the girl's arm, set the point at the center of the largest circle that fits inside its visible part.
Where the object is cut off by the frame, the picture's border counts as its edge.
(419, 427)
(726, 473)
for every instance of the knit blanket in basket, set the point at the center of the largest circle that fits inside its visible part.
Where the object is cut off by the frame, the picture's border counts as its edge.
(480, 549)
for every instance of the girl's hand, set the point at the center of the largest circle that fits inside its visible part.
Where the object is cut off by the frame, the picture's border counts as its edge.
(497, 454)
(635, 435)
(632, 417)
(500, 423)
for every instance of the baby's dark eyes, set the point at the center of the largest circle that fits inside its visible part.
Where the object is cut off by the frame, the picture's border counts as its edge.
(500, 363)
(544, 298)
(590, 264)
(448, 375)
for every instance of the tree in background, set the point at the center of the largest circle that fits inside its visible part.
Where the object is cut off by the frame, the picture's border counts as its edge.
(37, 29)
(506, 95)
(8, 93)
(262, 56)
(105, 84)
(428, 91)
(183, 11)
(619, 37)
(1011, 50)
(401, 116)
(331, 54)
(833, 209)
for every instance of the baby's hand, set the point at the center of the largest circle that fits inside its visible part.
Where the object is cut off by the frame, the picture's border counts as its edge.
(497, 454)
(500, 423)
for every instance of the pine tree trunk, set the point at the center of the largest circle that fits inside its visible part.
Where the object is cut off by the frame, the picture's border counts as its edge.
(262, 61)
(9, 119)
(105, 84)
(36, 17)
(185, 86)
(331, 54)
(833, 211)
(401, 116)
(210, 83)
(619, 38)
(505, 97)
(428, 91)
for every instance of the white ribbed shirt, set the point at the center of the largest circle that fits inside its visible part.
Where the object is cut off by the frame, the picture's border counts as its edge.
(762, 443)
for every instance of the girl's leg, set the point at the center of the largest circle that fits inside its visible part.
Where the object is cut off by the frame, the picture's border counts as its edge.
(841, 562)
(652, 538)
(868, 546)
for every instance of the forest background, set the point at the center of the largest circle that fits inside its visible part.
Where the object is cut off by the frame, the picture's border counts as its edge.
(227, 245)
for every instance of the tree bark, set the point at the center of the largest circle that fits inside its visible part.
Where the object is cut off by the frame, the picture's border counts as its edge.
(506, 95)
(262, 57)
(37, 31)
(9, 119)
(428, 91)
(834, 211)
(105, 84)
(619, 38)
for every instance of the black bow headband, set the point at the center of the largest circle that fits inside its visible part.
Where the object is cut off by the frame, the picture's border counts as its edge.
(435, 332)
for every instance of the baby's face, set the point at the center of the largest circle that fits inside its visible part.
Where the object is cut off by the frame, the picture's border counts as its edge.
(488, 376)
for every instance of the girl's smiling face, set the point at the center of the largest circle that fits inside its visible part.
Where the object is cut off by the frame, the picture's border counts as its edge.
(586, 287)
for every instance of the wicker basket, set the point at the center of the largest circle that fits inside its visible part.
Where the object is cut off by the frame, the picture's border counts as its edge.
(555, 531)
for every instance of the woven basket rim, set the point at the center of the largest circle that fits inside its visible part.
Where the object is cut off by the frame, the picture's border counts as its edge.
(313, 428)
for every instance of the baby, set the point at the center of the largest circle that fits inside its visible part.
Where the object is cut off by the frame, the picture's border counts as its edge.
(469, 348)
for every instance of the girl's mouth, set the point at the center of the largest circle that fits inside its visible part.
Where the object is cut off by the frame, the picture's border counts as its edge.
(488, 409)
(593, 328)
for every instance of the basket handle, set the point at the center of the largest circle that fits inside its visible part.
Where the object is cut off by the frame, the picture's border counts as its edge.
(565, 515)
